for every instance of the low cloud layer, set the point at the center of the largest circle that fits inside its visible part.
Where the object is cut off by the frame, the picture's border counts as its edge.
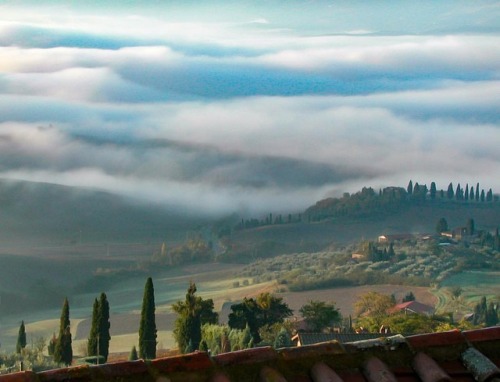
(234, 115)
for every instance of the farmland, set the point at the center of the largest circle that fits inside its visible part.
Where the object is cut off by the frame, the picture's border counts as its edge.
(298, 261)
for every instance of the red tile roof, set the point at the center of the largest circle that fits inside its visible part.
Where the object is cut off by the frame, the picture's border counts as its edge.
(448, 356)
(412, 306)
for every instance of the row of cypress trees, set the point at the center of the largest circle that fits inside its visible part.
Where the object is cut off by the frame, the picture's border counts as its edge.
(99, 336)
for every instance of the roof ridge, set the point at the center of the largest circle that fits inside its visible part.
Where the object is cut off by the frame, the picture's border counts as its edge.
(446, 353)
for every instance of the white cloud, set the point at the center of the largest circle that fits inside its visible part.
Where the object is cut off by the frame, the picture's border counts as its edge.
(224, 114)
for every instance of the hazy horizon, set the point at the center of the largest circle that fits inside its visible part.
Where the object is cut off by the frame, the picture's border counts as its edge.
(247, 105)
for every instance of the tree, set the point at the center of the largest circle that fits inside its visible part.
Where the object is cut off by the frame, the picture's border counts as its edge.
(282, 339)
(193, 312)
(449, 193)
(98, 341)
(409, 297)
(466, 192)
(491, 316)
(133, 354)
(433, 190)
(372, 304)
(319, 315)
(482, 196)
(21, 338)
(63, 352)
(147, 328)
(470, 226)
(489, 195)
(266, 309)
(104, 325)
(409, 189)
(458, 192)
(52, 345)
(94, 330)
(477, 192)
(441, 226)
(390, 252)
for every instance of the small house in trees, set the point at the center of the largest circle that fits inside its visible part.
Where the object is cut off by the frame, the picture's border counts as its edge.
(457, 233)
(412, 307)
(358, 256)
(386, 239)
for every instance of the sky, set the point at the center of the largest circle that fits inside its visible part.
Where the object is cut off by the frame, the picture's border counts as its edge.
(249, 106)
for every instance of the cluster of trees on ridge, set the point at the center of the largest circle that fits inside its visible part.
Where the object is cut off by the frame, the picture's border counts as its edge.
(368, 201)
(253, 322)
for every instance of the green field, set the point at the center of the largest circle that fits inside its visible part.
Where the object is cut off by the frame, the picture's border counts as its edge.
(474, 284)
(213, 280)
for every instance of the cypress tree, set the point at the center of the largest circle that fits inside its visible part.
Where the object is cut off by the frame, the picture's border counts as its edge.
(391, 253)
(433, 190)
(63, 352)
(491, 316)
(471, 193)
(147, 328)
(187, 330)
(482, 196)
(457, 192)
(133, 354)
(21, 338)
(470, 226)
(409, 189)
(94, 330)
(489, 195)
(467, 191)
(104, 325)
(477, 192)
(450, 192)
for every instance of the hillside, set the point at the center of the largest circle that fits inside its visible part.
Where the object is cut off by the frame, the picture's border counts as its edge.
(325, 224)
(43, 213)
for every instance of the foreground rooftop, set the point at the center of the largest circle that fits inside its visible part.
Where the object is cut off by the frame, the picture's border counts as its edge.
(448, 356)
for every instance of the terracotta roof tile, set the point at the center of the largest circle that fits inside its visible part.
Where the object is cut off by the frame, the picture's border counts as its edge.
(311, 351)
(320, 372)
(449, 356)
(268, 374)
(247, 356)
(23, 376)
(377, 371)
(428, 370)
(193, 361)
(75, 373)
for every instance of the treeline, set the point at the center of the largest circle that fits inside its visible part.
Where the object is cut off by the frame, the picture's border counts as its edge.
(268, 220)
(391, 199)
(369, 202)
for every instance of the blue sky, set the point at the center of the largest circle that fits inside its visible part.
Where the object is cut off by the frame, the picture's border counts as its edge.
(249, 105)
